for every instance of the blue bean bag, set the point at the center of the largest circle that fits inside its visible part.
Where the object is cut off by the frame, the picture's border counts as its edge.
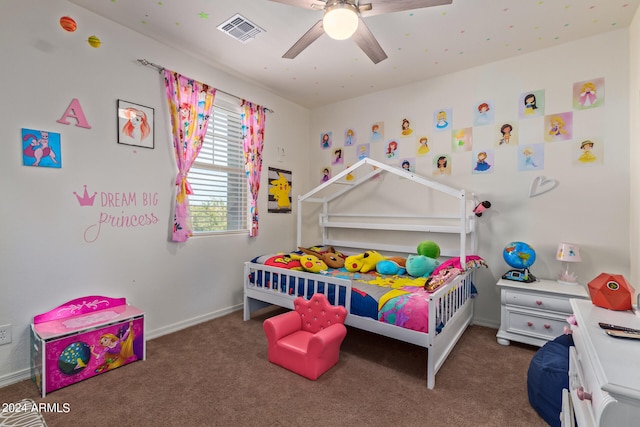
(548, 374)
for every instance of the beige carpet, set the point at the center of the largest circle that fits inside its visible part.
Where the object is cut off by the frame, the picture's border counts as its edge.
(217, 374)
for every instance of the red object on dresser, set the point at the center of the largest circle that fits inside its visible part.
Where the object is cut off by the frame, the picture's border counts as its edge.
(611, 291)
(83, 338)
(307, 340)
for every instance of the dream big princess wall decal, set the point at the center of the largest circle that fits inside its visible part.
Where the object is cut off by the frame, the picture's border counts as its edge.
(116, 210)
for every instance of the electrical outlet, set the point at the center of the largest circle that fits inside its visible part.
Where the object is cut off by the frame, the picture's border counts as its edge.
(5, 334)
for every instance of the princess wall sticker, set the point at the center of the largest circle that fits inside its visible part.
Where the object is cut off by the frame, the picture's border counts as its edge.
(349, 137)
(325, 140)
(442, 120)
(588, 152)
(483, 162)
(531, 104)
(506, 134)
(461, 139)
(558, 127)
(441, 165)
(405, 127)
(338, 157)
(377, 132)
(531, 157)
(325, 174)
(483, 113)
(588, 94)
(408, 164)
(391, 150)
(362, 151)
(423, 146)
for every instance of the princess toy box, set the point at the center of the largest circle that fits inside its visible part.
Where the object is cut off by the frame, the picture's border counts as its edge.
(84, 338)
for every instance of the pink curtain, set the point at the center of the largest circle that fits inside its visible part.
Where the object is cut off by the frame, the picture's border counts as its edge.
(190, 105)
(253, 133)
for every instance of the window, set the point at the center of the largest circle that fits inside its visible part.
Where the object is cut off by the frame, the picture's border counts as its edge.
(219, 199)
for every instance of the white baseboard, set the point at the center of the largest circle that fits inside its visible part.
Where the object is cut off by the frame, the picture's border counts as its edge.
(16, 377)
(25, 374)
(486, 322)
(169, 329)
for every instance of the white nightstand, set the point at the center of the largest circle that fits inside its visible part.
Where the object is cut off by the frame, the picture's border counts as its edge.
(534, 313)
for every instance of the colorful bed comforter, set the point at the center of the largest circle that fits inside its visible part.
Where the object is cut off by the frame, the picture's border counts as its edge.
(396, 299)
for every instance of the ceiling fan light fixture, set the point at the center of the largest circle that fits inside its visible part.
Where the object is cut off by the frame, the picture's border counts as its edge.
(340, 20)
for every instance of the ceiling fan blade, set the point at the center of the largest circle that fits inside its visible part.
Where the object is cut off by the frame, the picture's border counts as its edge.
(304, 41)
(307, 4)
(379, 7)
(368, 43)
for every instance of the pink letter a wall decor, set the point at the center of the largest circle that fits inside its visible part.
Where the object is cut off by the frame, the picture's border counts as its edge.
(75, 110)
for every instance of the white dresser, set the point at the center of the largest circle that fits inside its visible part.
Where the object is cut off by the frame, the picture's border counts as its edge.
(604, 372)
(534, 313)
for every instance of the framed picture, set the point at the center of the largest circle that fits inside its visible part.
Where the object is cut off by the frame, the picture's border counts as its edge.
(41, 148)
(280, 182)
(135, 124)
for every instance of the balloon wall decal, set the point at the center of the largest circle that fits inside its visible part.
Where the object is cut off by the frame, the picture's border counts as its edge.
(94, 41)
(68, 24)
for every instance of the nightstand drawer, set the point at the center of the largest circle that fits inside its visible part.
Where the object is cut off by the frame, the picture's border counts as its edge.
(537, 301)
(583, 408)
(531, 323)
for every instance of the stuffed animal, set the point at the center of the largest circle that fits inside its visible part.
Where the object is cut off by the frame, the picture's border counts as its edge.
(354, 263)
(330, 257)
(311, 263)
(369, 260)
(363, 263)
(429, 249)
(438, 279)
(390, 267)
(481, 207)
(398, 260)
(420, 265)
(473, 261)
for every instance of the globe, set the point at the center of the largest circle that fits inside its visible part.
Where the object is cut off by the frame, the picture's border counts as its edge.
(519, 255)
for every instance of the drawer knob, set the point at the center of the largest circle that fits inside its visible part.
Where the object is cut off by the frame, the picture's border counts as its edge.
(583, 395)
(539, 302)
(547, 326)
(529, 324)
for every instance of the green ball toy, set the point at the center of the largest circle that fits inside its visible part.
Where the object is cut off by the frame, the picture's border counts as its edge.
(429, 249)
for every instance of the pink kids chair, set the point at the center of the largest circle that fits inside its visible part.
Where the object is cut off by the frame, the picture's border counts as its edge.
(307, 340)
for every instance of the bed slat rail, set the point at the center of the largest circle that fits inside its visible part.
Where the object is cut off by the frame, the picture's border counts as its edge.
(284, 284)
(347, 246)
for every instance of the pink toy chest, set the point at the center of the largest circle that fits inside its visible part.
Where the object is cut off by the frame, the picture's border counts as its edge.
(84, 338)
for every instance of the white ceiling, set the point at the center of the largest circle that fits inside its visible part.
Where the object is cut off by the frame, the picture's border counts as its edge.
(421, 44)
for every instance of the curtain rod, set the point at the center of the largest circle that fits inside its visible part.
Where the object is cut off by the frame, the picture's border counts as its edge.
(161, 69)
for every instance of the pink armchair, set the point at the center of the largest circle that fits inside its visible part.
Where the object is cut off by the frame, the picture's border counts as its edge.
(307, 340)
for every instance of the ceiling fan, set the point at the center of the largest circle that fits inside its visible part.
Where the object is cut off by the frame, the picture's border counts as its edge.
(343, 19)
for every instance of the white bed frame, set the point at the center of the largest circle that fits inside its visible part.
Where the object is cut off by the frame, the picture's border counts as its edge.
(451, 305)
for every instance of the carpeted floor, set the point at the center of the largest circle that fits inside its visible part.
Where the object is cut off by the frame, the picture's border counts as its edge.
(217, 374)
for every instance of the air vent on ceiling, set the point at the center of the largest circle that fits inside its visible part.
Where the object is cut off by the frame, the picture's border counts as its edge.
(240, 28)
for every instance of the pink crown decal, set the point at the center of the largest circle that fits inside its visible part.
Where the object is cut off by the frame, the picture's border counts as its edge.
(85, 200)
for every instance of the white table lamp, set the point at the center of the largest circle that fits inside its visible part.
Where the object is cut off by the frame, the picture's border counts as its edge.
(568, 252)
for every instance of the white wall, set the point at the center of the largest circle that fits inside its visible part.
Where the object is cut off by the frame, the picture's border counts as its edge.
(44, 258)
(634, 111)
(590, 207)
